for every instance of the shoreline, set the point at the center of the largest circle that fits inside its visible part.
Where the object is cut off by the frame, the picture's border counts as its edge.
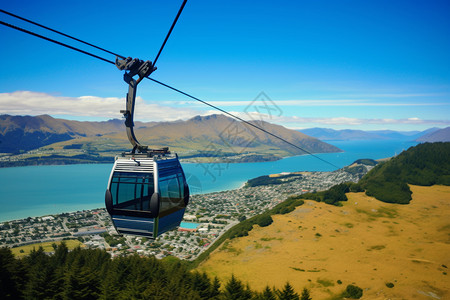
(242, 186)
(57, 160)
(37, 198)
(103, 208)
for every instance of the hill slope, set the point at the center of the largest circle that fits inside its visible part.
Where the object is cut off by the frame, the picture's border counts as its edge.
(358, 240)
(218, 133)
(364, 242)
(27, 132)
(425, 164)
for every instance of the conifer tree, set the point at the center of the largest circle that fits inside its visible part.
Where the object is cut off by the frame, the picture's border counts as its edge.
(305, 295)
(81, 281)
(234, 290)
(268, 294)
(61, 251)
(12, 275)
(215, 289)
(201, 284)
(288, 293)
(41, 275)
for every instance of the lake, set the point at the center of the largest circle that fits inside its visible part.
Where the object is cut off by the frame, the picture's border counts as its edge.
(42, 190)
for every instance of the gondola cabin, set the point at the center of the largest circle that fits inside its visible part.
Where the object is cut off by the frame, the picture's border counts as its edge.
(146, 195)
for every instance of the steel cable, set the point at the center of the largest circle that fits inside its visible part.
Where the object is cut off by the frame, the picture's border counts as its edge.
(59, 32)
(172, 88)
(170, 31)
(55, 41)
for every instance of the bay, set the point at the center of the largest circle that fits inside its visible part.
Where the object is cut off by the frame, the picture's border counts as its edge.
(42, 190)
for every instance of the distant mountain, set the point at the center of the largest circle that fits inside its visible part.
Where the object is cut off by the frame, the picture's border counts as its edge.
(220, 136)
(210, 136)
(441, 135)
(23, 133)
(327, 134)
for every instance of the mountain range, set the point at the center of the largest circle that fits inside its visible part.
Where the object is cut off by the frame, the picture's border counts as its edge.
(429, 135)
(202, 136)
(442, 135)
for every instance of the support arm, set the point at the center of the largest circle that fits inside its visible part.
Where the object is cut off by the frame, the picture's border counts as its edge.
(143, 69)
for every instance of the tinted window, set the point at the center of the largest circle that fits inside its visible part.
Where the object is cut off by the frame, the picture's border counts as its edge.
(132, 191)
(171, 192)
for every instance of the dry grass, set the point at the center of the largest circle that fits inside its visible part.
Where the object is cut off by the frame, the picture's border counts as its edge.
(47, 246)
(366, 242)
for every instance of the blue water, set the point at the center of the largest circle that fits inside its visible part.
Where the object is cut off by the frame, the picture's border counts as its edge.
(189, 225)
(40, 190)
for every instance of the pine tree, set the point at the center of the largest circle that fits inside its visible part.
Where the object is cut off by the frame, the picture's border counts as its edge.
(214, 292)
(234, 290)
(60, 255)
(12, 275)
(305, 295)
(201, 284)
(81, 281)
(288, 293)
(41, 283)
(268, 294)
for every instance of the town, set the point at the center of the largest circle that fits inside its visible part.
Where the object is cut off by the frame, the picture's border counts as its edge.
(207, 217)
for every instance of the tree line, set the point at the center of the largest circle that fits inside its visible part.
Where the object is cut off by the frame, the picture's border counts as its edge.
(425, 165)
(92, 274)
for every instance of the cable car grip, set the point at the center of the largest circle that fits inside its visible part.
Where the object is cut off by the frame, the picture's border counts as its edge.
(133, 67)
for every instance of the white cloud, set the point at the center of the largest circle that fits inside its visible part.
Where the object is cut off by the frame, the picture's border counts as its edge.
(319, 102)
(360, 121)
(34, 103)
(297, 122)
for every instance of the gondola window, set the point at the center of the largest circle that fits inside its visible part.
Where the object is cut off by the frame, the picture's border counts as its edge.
(171, 193)
(131, 191)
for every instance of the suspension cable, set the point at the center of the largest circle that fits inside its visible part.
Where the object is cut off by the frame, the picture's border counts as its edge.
(174, 89)
(170, 31)
(242, 120)
(59, 32)
(56, 42)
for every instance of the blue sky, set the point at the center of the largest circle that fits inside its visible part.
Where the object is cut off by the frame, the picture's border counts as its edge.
(334, 64)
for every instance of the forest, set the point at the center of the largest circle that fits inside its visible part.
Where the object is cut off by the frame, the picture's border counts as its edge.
(425, 165)
(266, 180)
(92, 274)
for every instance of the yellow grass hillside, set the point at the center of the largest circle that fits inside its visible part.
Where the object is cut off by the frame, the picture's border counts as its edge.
(366, 242)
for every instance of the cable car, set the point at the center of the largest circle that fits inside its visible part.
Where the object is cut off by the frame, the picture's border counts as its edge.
(147, 191)
(147, 196)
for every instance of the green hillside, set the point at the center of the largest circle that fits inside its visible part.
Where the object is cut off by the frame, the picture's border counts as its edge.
(425, 164)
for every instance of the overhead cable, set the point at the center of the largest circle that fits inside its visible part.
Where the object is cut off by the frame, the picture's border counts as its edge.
(59, 32)
(240, 119)
(170, 31)
(56, 42)
(174, 89)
